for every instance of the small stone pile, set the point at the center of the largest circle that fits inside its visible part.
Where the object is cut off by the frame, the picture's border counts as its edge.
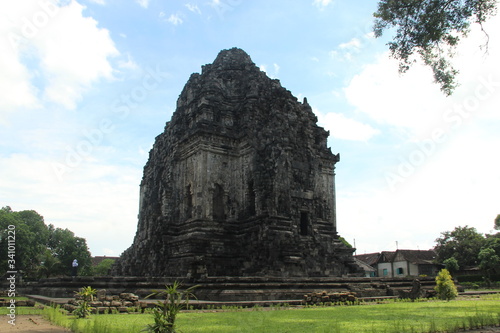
(103, 303)
(325, 298)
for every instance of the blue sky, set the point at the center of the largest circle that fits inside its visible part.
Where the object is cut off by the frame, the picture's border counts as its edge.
(86, 86)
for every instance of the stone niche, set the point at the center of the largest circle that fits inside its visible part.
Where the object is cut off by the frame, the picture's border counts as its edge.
(240, 183)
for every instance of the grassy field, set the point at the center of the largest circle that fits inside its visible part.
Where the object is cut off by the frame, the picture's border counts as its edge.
(393, 317)
(429, 316)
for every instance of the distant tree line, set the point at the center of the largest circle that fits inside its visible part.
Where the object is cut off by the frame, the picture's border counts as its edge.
(464, 247)
(40, 250)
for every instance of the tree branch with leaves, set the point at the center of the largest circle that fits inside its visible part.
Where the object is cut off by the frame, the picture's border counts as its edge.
(431, 29)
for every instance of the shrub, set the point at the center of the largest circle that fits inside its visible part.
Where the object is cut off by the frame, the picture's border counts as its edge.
(166, 312)
(445, 287)
(83, 309)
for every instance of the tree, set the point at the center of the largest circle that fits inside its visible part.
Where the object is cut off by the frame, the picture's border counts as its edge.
(431, 29)
(463, 244)
(489, 256)
(28, 233)
(489, 261)
(66, 247)
(49, 265)
(497, 222)
(40, 249)
(451, 264)
(104, 267)
(445, 287)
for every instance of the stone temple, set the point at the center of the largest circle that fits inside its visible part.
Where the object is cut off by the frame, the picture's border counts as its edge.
(240, 183)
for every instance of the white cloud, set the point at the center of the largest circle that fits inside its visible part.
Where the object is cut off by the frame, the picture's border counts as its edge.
(458, 187)
(427, 186)
(78, 58)
(129, 64)
(175, 19)
(354, 43)
(276, 69)
(345, 51)
(108, 195)
(369, 35)
(322, 3)
(143, 3)
(412, 101)
(389, 98)
(67, 52)
(274, 73)
(99, 2)
(193, 8)
(15, 82)
(344, 128)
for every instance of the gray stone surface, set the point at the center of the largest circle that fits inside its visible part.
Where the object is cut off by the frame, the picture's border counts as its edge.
(240, 183)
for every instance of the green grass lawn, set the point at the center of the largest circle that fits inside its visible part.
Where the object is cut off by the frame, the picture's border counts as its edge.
(429, 316)
(394, 317)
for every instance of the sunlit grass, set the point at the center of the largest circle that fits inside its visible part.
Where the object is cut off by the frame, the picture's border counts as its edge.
(22, 310)
(392, 317)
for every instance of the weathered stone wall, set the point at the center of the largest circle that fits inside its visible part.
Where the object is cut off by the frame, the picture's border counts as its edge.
(240, 183)
(227, 289)
(103, 302)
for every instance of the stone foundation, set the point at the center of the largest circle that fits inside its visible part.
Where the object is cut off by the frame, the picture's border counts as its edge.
(325, 298)
(229, 289)
(106, 303)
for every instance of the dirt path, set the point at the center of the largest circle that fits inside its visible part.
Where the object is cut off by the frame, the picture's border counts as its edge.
(30, 324)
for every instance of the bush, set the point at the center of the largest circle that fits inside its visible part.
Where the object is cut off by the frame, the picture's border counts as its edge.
(86, 295)
(165, 312)
(445, 287)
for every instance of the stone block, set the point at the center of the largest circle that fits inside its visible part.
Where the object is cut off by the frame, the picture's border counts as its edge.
(73, 301)
(129, 297)
(116, 303)
(101, 294)
(69, 307)
(102, 309)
